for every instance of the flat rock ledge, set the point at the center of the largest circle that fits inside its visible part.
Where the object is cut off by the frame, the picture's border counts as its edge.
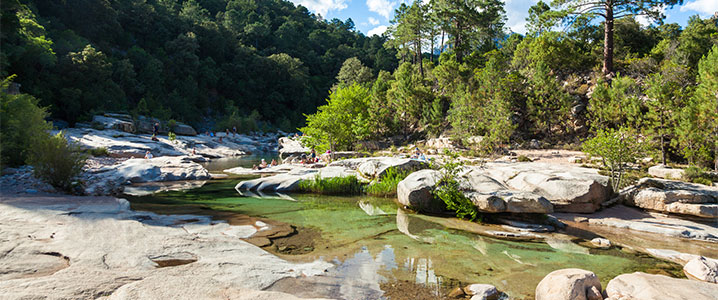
(515, 188)
(658, 287)
(66, 247)
(286, 177)
(106, 180)
(670, 196)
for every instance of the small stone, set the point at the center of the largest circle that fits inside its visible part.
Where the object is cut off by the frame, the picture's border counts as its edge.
(601, 243)
(481, 291)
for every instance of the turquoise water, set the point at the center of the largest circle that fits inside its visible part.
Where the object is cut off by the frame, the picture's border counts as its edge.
(373, 241)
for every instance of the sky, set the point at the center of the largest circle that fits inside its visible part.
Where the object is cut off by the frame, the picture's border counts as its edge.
(373, 16)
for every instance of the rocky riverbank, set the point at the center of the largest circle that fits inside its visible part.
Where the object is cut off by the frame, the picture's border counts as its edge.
(95, 247)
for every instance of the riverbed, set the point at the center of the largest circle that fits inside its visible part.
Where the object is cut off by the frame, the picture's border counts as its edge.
(376, 245)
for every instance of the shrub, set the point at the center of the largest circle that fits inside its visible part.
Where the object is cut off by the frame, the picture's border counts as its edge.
(171, 136)
(386, 187)
(101, 151)
(524, 158)
(22, 123)
(697, 175)
(348, 185)
(56, 162)
(447, 189)
(617, 148)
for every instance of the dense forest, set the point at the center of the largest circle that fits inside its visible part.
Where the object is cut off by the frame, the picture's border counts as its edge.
(191, 60)
(571, 77)
(444, 67)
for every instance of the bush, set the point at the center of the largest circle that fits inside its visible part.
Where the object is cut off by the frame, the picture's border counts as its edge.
(56, 162)
(22, 123)
(617, 149)
(524, 158)
(386, 187)
(348, 185)
(171, 136)
(447, 189)
(101, 151)
(697, 175)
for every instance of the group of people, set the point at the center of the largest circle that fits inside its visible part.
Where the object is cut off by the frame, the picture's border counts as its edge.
(418, 155)
(264, 165)
(226, 133)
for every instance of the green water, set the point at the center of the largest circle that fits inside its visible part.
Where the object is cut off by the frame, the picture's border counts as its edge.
(373, 241)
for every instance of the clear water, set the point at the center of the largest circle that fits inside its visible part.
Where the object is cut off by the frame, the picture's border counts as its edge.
(372, 241)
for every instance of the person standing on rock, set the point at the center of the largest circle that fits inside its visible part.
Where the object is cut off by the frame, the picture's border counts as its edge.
(155, 131)
(234, 130)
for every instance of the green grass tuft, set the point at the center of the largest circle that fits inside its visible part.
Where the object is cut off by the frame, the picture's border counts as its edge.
(386, 186)
(348, 185)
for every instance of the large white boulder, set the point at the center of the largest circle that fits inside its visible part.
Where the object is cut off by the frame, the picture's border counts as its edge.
(289, 181)
(114, 123)
(415, 191)
(702, 269)
(671, 196)
(569, 284)
(666, 172)
(658, 287)
(288, 147)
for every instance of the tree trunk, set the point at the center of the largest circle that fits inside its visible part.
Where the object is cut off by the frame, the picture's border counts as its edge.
(457, 44)
(663, 147)
(418, 56)
(431, 52)
(608, 39)
(441, 50)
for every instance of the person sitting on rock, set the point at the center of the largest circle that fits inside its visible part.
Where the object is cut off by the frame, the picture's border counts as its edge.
(274, 163)
(227, 131)
(148, 155)
(263, 164)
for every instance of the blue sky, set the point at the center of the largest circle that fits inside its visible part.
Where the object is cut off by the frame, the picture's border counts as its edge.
(373, 16)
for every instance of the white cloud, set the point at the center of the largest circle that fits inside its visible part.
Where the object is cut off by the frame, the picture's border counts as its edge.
(382, 7)
(373, 21)
(322, 6)
(377, 30)
(646, 21)
(704, 7)
(516, 13)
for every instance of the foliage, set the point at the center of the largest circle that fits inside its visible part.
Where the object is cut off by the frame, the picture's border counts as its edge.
(171, 136)
(548, 104)
(342, 121)
(386, 186)
(447, 188)
(56, 162)
(697, 175)
(22, 125)
(348, 185)
(698, 129)
(524, 158)
(188, 60)
(244, 124)
(615, 104)
(353, 71)
(617, 149)
(100, 151)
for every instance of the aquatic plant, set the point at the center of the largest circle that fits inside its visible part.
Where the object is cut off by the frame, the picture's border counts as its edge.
(347, 185)
(386, 186)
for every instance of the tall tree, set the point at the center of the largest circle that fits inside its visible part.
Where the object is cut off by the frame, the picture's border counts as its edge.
(471, 23)
(706, 101)
(411, 26)
(611, 10)
(666, 90)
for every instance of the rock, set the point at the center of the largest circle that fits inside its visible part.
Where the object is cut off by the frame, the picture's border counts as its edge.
(568, 284)
(457, 292)
(658, 287)
(666, 172)
(415, 191)
(108, 179)
(601, 243)
(289, 181)
(439, 144)
(481, 291)
(288, 147)
(702, 269)
(184, 129)
(60, 124)
(534, 144)
(377, 168)
(146, 125)
(130, 255)
(670, 196)
(113, 123)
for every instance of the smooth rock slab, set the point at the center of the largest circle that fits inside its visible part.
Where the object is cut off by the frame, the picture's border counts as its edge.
(666, 172)
(671, 196)
(658, 287)
(569, 284)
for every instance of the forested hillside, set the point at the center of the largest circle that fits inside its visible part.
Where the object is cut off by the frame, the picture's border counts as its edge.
(569, 78)
(182, 60)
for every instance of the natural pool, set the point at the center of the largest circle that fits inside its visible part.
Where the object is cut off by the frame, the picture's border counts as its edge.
(374, 244)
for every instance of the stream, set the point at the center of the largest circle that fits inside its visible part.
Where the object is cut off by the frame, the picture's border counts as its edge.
(381, 250)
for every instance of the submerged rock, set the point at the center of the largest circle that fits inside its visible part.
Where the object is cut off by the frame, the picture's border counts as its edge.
(671, 196)
(569, 284)
(658, 287)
